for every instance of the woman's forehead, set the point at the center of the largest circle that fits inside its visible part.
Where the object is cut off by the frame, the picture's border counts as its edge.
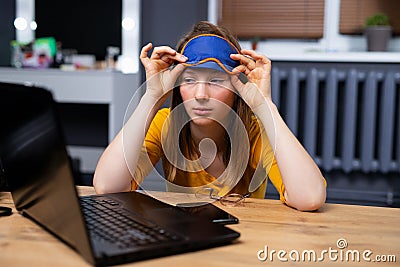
(204, 72)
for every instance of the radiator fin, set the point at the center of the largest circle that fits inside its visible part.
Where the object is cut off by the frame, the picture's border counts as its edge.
(346, 119)
(387, 122)
(349, 121)
(310, 113)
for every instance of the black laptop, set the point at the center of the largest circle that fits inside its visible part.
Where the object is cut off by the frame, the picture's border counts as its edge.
(105, 229)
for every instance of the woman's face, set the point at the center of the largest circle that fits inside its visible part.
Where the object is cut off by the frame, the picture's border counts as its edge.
(206, 94)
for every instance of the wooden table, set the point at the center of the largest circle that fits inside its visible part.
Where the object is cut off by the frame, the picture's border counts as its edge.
(368, 232)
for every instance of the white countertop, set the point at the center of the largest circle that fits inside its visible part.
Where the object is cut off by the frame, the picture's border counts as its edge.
(361, 57)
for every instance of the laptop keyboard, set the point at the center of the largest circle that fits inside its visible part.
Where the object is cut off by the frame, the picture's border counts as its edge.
(117, 227)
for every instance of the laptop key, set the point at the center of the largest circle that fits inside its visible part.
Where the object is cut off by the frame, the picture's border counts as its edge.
(115, 226)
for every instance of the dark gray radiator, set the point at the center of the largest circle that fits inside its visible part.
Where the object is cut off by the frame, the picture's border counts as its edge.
(347, 118)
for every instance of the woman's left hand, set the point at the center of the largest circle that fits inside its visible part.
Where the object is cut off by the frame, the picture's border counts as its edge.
(257, 68)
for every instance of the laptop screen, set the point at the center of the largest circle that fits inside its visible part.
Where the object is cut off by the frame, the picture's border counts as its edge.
(39, 175)
(36, 164)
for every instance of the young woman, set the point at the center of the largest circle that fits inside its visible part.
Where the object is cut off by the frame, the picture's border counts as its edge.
(221, 131)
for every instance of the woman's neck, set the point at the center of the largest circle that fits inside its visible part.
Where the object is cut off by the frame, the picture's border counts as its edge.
(216, 133)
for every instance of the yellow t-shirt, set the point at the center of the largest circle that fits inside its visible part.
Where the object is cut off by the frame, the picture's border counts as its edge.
(152, 150)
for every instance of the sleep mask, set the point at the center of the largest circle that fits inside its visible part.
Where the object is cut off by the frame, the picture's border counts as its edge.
(210, 51)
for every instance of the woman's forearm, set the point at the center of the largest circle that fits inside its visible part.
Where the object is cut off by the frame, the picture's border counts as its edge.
(304, 184)
(118, 162)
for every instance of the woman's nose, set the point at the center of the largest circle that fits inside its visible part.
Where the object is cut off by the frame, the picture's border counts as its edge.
(201, 92)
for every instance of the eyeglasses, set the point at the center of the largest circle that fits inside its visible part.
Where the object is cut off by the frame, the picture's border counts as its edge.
(232, 199)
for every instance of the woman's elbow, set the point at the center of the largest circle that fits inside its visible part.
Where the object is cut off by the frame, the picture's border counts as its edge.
(99, 186)
(104, 186)
(311, 202)
(310, 205)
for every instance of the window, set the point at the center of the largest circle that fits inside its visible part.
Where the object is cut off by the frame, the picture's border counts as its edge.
(88, 26)
(354, 12)
(273, 18)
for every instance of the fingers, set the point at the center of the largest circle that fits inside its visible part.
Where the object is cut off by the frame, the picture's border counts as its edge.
(251, 59)
(242, 72)
(239, 80)
(177, 70)
(167, 59)
(161, 58)
(160, 51)
(143, 53)
(245, 60)
(145, 50)
(167, 54)
(257, 57)
(241, 69)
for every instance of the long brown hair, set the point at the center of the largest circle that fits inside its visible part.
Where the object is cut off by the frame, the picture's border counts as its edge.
(186, 142)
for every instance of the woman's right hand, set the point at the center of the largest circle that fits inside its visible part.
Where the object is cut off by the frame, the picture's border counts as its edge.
(159, 78)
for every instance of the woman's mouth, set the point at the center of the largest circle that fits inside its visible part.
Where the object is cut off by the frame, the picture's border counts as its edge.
(201, 111)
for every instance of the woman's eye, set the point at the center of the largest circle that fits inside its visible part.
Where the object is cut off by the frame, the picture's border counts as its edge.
(217, 80)
(189, 80)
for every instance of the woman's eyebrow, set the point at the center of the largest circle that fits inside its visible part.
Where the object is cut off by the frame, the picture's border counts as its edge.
(191, 72)
(218, 75)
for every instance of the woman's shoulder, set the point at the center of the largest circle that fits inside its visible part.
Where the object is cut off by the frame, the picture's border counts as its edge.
(159, 119)
(162, 114)
(157, 123)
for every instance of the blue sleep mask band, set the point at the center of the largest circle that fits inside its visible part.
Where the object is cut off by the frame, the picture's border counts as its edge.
(210, 51)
